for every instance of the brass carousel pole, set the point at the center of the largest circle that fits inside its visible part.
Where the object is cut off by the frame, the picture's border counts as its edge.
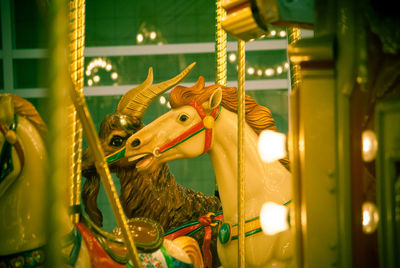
(79, 110)
(76, 47)
(241, 174)
(220, 46)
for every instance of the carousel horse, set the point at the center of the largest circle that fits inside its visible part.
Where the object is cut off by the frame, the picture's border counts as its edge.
(155, 194)
(204, 120)
(22, 214)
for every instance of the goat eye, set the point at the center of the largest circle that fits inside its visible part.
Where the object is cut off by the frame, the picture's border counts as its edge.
(117, 141)
(183, 117)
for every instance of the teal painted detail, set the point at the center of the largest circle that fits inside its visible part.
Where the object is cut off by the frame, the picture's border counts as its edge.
(167, 257)
(248, 233)
(116, 156)
(224, 233)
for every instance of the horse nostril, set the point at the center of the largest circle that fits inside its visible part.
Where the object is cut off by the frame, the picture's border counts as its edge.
(135, 143)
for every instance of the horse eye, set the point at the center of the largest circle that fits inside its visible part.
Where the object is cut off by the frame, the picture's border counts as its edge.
(183, 118)
(117, 141)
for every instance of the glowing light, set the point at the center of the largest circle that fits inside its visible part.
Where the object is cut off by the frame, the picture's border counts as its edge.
(250, 70)
(139, 38)
(108, 67)
(370, 217)
(369, 145)
(259, 72)
(90, 82)
(273, 218)
(96, 78)
(272, 33)
(271, 145)
(232, 57)
(114, 76)
(88, 72)
(279, 69)
(168, 105)
(163, 100)
(282, 33)
(286, 65)
(269, 72)
(153, 35)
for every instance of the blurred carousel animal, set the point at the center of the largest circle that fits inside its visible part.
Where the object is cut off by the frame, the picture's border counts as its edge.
(22, 215)
(156, 194)
(204, 119)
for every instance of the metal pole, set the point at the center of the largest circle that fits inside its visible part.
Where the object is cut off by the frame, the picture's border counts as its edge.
(241, 174)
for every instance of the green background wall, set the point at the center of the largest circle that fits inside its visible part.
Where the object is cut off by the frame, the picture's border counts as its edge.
(115, 24)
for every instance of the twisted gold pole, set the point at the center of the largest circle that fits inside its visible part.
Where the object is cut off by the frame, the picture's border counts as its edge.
(221, 46)
(293, 37)
(77, 44)
(241, 174)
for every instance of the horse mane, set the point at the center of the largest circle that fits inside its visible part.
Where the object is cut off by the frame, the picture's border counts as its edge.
(26, 109)
(257, 116)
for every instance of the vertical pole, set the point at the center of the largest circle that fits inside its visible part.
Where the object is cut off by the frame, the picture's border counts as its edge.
(241, 174)
(58, 84)
(76, 48)
(220, 46)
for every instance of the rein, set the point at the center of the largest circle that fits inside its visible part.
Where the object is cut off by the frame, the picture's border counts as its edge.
(206, 124)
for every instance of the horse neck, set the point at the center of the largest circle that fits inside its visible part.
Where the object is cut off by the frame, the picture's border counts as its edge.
(263, 182)
(22, 207)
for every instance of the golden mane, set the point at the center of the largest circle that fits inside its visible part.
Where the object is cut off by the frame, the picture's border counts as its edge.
(257, 116)
(26, 109)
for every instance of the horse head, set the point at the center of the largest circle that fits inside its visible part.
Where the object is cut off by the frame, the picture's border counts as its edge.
(183, 132)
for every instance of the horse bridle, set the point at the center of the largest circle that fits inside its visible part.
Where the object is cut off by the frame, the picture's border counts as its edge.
(6, 164)
(205, 124)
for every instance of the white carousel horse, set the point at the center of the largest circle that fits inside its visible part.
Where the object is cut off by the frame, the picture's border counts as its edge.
(22, 233)
(179, 134)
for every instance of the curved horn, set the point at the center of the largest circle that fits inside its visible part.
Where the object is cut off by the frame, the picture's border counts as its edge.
(143, 97)
(124, 101)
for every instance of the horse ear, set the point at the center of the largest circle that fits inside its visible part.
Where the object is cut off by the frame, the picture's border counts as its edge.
(214, 100)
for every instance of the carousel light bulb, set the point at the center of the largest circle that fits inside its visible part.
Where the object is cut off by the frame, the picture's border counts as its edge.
(250, 70)
(232, 57)
(269, 72)
(153, 35)
(88, 72)
(370, 217)
(90, 82)
(114, 76)
(168, 105)
(273, 218)
(279, 69)
(286, 65)
(259, 72)
(369, 145)
(282, 33)
(139, 38)
(108, 67)
(272, 33)
(271, 145)
(96, 78)
(163, 100)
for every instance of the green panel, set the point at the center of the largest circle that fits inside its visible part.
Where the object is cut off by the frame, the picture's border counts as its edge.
(27, 73)
(29, 25)
(133, 69)
(299, 11)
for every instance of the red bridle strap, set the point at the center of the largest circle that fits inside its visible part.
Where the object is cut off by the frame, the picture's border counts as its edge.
(206, 124)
